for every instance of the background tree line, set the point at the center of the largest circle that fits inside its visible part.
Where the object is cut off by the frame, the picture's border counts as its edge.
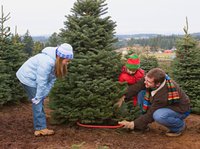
(155, 41)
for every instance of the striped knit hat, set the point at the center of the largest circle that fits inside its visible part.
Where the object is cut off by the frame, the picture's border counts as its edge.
(133, 62)
(65, 50)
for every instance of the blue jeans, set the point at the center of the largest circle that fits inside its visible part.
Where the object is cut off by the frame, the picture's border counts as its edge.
(140, 97)
(39, 118)
(174, 121)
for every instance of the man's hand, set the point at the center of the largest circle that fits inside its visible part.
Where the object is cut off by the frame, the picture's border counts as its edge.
(127, 124)
(120, 101)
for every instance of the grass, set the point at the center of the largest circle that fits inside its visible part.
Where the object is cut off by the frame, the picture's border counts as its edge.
(164, 56)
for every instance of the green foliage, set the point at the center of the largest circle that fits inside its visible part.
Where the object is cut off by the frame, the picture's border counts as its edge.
(38, 46)
(186, 68)
(166, 66)
(91, 88)
(11, 58)
(5, 77)
(127, 111)
(28, 43)
(148, 62)
(158, 42)
(86, 29)
(17, 58)
(131, 52)
(53, 41)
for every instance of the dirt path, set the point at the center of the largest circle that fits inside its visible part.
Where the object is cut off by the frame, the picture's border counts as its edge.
(16, 133)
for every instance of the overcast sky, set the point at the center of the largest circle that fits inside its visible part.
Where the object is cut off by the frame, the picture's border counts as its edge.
(43, 17)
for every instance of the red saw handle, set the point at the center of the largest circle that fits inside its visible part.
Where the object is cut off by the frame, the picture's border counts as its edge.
(100, 126)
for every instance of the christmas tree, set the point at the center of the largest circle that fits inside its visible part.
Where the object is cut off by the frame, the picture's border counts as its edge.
(11, 58)
(91, 88)
(186, 68)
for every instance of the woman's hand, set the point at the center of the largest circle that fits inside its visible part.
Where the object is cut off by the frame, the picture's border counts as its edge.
(36, 101)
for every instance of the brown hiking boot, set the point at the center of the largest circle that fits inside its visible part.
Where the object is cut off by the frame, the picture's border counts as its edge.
(43, 132)
(173, 134)
(176, 134)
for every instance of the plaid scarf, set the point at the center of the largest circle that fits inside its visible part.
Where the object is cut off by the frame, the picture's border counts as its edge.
(173, 95)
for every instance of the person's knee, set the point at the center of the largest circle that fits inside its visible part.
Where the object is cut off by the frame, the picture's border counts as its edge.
(38, 107)
(159, 116)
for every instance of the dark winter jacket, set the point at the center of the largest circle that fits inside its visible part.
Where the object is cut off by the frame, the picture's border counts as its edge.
(159, 100)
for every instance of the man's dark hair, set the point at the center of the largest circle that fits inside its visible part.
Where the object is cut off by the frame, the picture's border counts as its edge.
(157, 74)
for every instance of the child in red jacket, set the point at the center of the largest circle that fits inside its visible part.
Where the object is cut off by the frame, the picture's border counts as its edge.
(131, 73)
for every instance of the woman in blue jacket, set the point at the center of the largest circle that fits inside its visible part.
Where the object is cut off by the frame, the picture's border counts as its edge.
(38, 75)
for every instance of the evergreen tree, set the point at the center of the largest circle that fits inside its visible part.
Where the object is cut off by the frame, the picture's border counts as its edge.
(5, 77)
(28, 43)
(4, 30)
(54, 40)
(38, 46)
(86, 30)
(148, 62)
(17, 57)
(186, 68)
(16, 38)
(11, 58)
(91, 88)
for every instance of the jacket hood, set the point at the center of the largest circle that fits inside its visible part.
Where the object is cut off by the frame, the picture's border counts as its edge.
(50, 51)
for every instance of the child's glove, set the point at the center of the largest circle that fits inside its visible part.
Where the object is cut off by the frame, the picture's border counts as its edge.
(127, 124)
(36, 101)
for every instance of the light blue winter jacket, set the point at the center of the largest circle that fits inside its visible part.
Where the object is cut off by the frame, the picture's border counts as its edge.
(38, 72)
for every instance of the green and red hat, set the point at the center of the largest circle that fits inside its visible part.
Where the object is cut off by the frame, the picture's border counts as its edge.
(133, 62)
